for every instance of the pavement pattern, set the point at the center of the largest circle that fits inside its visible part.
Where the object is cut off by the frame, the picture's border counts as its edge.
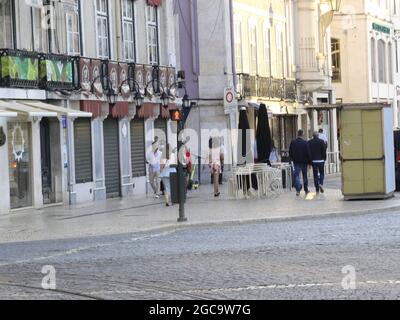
(278, 260)
(141, 214)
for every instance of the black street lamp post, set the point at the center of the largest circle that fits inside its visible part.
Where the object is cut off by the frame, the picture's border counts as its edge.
(181, 177)
(180, 117)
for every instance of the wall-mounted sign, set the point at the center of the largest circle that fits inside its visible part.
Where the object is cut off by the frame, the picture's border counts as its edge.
(380, 28)
(20, 68)
(58, 71)
(229, 100)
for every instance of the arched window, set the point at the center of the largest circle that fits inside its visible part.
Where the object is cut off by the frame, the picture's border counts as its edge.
(373, 59)
(382, 61)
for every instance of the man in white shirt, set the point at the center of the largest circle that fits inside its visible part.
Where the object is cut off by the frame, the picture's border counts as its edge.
(154, 161)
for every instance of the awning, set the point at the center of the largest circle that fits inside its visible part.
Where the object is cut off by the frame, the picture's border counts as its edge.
(8, 114)
(23, 109)
(71, 113)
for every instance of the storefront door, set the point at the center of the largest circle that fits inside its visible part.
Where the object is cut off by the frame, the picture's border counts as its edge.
(19, 156)
(46, 160)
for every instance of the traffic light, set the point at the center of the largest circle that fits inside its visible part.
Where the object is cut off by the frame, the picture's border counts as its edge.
(176, 115)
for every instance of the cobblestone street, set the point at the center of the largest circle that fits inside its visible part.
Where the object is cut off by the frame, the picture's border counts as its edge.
(279, 260)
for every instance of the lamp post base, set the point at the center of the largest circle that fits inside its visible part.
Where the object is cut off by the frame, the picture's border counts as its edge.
(182, 219)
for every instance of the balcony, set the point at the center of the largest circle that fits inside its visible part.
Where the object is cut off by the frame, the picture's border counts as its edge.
(266, 87)
(51, 72)
(277, 88)
(290, 90)
(19, 69)
(56, 72)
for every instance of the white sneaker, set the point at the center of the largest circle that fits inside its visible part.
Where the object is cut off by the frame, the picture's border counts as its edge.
(156, 196)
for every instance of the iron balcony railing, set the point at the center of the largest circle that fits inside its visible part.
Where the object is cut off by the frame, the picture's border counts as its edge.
(57, 72)
(25, 69)
(290, 89)
(266, 87)
(277, 88)
(19, 69)
(244, 85)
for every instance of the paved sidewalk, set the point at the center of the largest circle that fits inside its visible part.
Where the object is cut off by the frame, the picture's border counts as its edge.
(146, 214)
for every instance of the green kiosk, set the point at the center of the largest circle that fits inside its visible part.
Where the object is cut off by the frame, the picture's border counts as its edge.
(366, 151)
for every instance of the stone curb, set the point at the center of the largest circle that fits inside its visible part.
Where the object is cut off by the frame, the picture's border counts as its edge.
(337, 214)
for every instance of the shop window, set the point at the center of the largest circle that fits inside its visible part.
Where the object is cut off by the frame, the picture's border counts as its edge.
(276, 132)
(290, 130)
(20, 165)
(83, 150)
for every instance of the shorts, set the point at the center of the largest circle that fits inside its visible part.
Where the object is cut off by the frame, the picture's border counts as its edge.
(216, 168)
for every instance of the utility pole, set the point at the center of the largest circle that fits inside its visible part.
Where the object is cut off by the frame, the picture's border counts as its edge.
(181, 177)
(177, 115)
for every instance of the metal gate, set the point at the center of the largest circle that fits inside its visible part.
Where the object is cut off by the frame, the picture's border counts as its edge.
(138, 148)
(111, 158)
(83, 150)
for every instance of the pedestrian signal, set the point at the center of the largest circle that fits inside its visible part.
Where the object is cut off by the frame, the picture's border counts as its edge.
(176, 115)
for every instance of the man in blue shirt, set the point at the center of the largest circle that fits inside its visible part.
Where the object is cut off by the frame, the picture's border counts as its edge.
(299, 152)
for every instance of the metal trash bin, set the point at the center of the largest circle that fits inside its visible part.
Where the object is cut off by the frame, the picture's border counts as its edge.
(173, 178)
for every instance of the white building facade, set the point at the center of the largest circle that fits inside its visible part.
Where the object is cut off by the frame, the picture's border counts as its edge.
(69, 73)
(366, 53)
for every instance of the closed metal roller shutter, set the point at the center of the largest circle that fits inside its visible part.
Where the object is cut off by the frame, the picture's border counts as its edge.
(138, 148)
(111, 158)
(83, 150)
(161, 124)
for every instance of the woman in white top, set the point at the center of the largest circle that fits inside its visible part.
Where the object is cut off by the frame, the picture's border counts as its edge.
(274, 156)
(166, 170)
